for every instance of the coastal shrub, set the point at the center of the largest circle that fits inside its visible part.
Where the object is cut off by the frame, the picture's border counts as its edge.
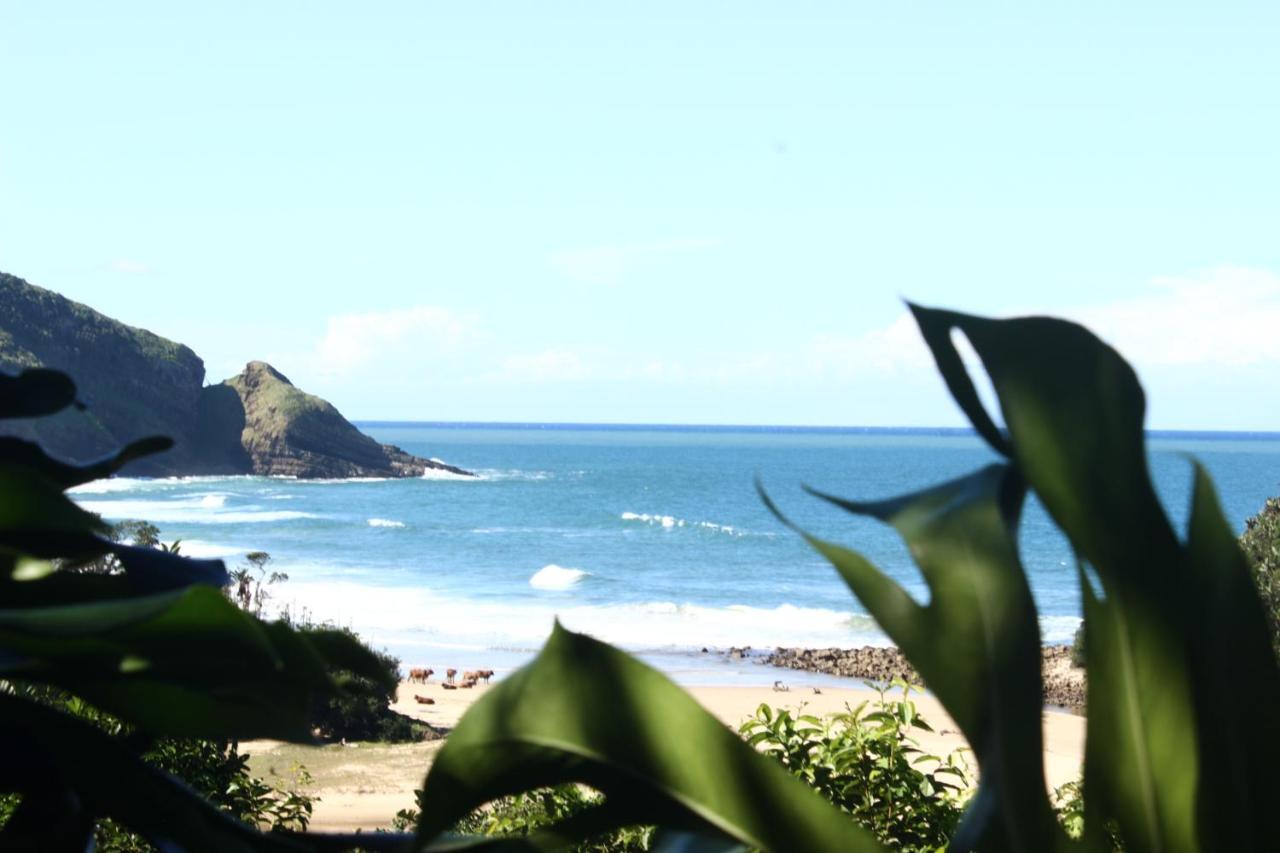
(866, 762)
(1261, 544)
(524, 814)
(364, 713)
(1177, 648)
(1077, 648)
(152, 643)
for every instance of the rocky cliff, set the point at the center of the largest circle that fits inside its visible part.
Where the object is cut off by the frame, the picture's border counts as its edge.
(135, 383)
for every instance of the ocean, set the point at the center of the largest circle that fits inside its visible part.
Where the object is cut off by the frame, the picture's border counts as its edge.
(651, 538)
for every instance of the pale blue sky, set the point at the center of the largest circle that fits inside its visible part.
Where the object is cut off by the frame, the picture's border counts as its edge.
(683, 212)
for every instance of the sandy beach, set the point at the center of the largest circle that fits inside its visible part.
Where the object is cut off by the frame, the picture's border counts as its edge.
(362, 786)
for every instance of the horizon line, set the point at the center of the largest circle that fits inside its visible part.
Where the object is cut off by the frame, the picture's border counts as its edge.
(640, 425)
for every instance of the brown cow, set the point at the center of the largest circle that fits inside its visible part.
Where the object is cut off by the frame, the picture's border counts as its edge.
(448, 685)
(450, 673)
(420, 675)
(424, 700)
(485, 674)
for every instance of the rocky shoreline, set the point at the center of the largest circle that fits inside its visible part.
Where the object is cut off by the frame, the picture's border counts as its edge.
(1064, 685)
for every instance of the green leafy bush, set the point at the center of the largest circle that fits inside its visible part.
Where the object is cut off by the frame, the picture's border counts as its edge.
(364, 713)
(1261, 544)
(866, 762)
(524, 814)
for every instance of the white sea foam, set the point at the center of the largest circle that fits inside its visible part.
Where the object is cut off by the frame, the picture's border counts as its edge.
(413, 615)
(332, 481)
(103, 487)
(441, 474)
(670, 522)
(552, 576)
(408, 614)
(201, 548)
(385, 522)
(189, 510)
(513, 474)
(213, 501)
(1058, 629)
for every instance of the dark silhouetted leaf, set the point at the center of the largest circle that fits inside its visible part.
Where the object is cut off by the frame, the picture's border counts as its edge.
(65, 475)
(109, 780)
(35, 392)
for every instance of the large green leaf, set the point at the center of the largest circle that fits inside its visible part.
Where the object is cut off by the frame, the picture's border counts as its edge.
(585, 712)
(1074, 412)
(1236, 677)
(976, 643)
(185, 663)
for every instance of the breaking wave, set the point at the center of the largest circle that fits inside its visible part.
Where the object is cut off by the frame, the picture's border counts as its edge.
(556, 577)
(670, 522)
(385, 522)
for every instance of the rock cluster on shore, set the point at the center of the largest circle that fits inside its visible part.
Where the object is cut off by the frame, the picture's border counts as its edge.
(1064, 685)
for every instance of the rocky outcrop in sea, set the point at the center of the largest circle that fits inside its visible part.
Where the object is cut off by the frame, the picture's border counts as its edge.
(1064, 685)
(288, 432)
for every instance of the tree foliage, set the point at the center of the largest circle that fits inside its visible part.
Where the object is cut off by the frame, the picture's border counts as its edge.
(1261, 544)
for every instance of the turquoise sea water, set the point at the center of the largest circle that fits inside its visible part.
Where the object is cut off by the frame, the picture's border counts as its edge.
(649, 537)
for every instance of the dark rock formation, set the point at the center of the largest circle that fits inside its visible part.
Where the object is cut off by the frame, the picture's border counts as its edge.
(1064, 685)
(135, 384)
(288, 432)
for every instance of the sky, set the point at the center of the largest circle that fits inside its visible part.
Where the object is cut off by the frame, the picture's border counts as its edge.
(657, 212)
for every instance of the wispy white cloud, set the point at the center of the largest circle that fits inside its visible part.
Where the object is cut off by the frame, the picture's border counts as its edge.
(129, 267)
(352, 341)
(1224, 317)
(892, 348)
(553, 365)
(608, 265)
